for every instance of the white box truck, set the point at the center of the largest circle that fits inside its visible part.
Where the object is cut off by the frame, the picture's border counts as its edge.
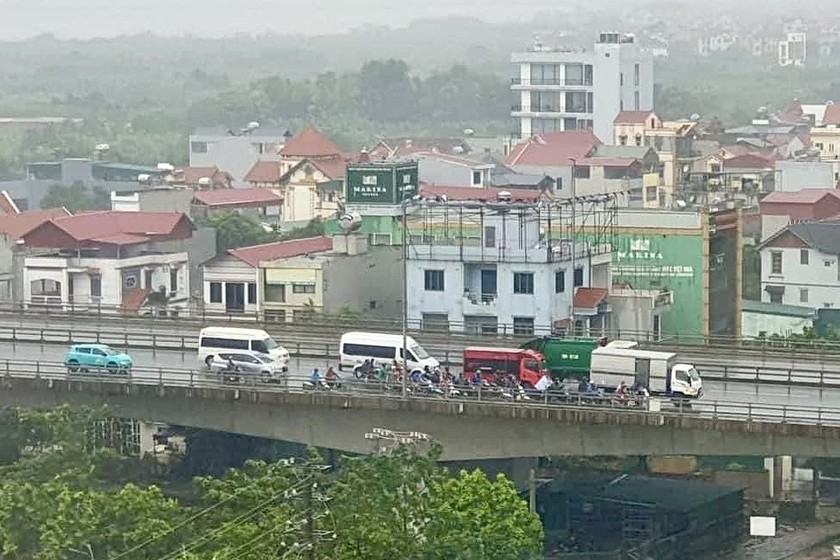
(660, 372)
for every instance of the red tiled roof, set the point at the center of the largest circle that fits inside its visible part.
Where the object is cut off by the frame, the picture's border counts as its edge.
(553, 149)
(191, 175)
(632, 117)
(804, 196)
(7, 205)
(748, 161)
(589, 298)
(478, 194)
(115, 228)
(134, 300)
(18, 225)
(309, 143)
(334, 168)
(832, 115)
(264, 172)
(256, 254)
(238, 198)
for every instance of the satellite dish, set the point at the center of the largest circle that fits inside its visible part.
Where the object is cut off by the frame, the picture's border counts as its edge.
(253, 125)
(143, 178)
(458, 150)
(695, 117)
(350, 222)
(204, 182)
(102, 147)
(166, 167)
(504, 196)
(468, 132)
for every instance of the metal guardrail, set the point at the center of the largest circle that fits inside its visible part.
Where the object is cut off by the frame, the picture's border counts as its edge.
(171, 377)
(197, 317)
(711, 369)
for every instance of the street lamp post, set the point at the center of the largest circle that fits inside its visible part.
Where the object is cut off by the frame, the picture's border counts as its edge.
(405, 298)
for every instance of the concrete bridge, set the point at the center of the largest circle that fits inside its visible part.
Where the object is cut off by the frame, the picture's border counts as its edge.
(467, 429)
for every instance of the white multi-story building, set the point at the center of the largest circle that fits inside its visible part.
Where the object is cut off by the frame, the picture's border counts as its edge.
(799, 265)
(503, 276)
(794, 50)
(236, 152)
(581, 89)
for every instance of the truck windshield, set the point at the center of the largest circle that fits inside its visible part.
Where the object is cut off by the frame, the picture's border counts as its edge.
(533, 365)
(270, 344)
(418, 351)
(694, 374)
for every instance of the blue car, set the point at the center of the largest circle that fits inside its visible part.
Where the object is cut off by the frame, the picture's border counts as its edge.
(92, 357)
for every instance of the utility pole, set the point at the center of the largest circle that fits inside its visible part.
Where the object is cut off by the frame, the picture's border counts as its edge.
(533, 484)
(573, 324)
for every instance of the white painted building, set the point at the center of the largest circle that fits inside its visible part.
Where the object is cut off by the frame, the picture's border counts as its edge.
(562, 89)
(799, 265)
(794, 50)
(235, 151)
(505, 280)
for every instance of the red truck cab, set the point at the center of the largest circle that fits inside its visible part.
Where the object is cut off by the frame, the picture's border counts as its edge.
(526, 365)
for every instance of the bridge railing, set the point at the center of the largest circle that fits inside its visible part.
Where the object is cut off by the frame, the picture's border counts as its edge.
(194, 316)
(171, 377)
(712, 366)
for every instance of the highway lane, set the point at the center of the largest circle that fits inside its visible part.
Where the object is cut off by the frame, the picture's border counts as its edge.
(780, 368)
(171, 365)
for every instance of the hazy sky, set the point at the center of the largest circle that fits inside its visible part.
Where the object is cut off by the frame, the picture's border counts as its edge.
(90, 18)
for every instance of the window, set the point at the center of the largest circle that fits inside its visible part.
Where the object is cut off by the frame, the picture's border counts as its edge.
(489, 237)
(523, 282)
(636, 75)
(587, 75)
(436, 322)
(434, 281)
(581, 172)
(252, 293)
(369, 351)
(198, 147)
(827, 263)
(96, 286)
(523, 325)
(776, 262)
(173, 281)
(636, 102)
(803, 256)
(803, 295)
(303, 288)
(275, 293)
(229, 343)
(476, 178)
(650, 194)
(622, 139)
(559, 281)
(578, 277)
(828, 305)
(215, 292)
(776, 293)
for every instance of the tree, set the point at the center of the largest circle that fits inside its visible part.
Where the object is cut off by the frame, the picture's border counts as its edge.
(472, 517)
(77, 198)
(234, 230)
(386, 92)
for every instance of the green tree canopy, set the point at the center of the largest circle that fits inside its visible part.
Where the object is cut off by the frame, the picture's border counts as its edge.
(234, 230)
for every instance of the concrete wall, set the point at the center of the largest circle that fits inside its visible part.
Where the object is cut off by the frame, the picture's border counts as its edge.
(234, 154)
(466, 430)
(754, 324)
(797, 175)
(370, 283)
(442, 172)
(228, 269)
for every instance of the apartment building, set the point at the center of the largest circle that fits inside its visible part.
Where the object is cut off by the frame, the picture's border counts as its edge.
(236, 151)
(564, 89)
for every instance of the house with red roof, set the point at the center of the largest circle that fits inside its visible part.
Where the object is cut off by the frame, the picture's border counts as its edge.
(553, 154)
(312, 171)
(232, 281)
(257, 203)
(825, 137)
(779, 209)
(454, 170)
(113, 261)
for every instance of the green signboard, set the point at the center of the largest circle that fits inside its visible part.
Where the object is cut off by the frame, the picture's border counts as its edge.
(665, 262)
(381, 183)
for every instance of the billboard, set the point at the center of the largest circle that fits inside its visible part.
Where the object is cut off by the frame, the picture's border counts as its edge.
(386, 184)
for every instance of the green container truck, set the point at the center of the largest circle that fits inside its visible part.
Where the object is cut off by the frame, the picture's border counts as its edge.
(566, 357)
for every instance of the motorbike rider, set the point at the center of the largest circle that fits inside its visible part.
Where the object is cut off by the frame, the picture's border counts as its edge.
(331, 377)
(315, 378)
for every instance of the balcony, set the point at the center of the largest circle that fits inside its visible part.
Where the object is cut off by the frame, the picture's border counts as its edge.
(548, 83)
(480, 304)
(531, 111)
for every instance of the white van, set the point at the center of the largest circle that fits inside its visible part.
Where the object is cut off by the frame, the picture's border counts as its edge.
(213, 340)
(356, 347)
